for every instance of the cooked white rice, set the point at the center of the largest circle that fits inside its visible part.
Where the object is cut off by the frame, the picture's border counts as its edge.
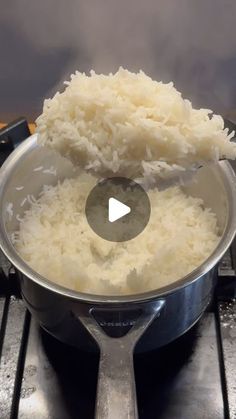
(56, 241)
(130, 125)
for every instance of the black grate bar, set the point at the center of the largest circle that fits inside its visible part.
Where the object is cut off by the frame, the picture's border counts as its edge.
(222, 366)
(20, 367)
(4, 306)
(13, 322)
(227, 323)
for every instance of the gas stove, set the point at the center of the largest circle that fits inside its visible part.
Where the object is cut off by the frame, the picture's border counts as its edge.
(42, 378)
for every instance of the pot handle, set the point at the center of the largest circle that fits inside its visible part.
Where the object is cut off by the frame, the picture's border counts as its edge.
(116, 391)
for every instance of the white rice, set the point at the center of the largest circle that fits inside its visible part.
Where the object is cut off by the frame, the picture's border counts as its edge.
(50, 171)
(9, 210)
(23, 202)
(56, 241)
(130, 125)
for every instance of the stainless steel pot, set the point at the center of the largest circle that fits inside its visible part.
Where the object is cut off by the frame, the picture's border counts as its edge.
(116, 325)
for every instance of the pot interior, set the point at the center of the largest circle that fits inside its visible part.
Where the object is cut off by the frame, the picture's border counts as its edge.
(31, 166)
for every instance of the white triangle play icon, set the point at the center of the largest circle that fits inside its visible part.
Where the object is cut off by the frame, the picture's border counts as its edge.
(116, 210)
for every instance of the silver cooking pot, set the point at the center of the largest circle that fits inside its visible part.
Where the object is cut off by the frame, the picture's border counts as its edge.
(115, 325)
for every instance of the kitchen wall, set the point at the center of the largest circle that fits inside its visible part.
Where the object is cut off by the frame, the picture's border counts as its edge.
(192, 42)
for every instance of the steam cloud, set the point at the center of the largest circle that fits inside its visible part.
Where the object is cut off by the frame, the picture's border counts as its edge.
(190, 42)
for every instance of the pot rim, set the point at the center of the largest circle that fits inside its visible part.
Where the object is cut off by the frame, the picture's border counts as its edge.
(8, 249)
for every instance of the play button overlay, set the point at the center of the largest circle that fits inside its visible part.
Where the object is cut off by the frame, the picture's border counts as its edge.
(117, 209)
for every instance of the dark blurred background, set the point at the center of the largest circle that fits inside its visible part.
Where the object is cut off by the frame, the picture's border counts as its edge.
(192, 42)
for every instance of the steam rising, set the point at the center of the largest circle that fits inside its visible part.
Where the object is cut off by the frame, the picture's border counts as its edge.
(190, 42)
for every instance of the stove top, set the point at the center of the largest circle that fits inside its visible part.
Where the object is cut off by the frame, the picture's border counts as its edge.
(193, 377)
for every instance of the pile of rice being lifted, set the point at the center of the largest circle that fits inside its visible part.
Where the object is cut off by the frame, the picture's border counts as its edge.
(131, 125)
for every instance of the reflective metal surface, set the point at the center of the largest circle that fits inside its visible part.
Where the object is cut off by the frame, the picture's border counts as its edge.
(183, 379)
(116, 390)
(59, 382)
